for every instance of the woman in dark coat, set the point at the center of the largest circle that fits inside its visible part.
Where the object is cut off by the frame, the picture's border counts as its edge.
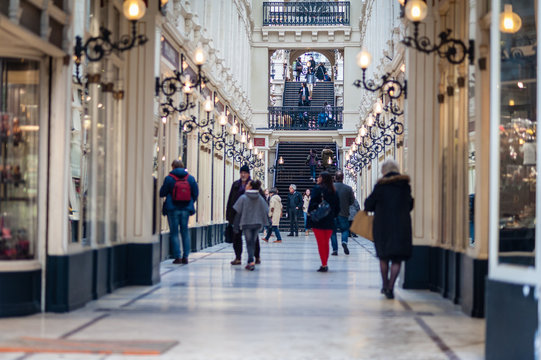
(323, 228)
(391, 203)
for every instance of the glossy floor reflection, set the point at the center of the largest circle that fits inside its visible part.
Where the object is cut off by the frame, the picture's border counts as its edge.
(282, 310)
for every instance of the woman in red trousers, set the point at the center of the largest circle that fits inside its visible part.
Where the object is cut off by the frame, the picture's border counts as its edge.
(324, 190)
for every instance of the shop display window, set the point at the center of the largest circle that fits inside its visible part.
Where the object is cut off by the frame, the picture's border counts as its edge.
(518, 138)
(19, 146)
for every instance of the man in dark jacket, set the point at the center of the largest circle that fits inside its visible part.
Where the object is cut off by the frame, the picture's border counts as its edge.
(179, 212)
(237, 190)
(346, 198)
(294, 204)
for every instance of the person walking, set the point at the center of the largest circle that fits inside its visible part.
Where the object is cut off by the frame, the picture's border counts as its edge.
(294, 204)
(311, 160)
(326, 158)
(347, 198)
(311, 71)
(275, 213)
(251, 215)
(323, 191)
(180, 191)
(304, 95)
(298, 69)
(353, 210)
(306, 201)
(237, 190)
(391, 203)
(320, 72)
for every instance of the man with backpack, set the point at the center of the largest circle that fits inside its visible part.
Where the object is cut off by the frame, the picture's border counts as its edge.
(180, 191)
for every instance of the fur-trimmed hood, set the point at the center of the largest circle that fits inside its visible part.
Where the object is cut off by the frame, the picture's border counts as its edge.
(393, 178)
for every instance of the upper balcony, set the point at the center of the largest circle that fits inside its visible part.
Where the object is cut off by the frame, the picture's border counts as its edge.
(308, 13)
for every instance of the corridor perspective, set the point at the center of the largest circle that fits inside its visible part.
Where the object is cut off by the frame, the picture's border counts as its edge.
(283, 310)
(289, 179)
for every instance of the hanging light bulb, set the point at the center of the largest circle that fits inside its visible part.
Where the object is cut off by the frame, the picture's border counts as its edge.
(416, 10)
(370, 121)
(510, 22)
(350, 152)
(281, 161)
(260, 156)
(250, 145)
(187, 88)
(234, 129)
(243, 138)
(354, 147)
(134, 9)
(358, 140)
(209, 105)
(364, 59)
(223, 119)
(164, 119)
(256, 151)
(378, 107)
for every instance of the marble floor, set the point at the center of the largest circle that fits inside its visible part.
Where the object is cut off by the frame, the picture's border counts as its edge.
(282, 310)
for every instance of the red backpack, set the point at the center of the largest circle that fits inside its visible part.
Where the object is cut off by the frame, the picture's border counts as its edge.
(182, 190)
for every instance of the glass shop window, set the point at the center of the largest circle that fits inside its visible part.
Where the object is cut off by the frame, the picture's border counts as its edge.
(518, 138)
(19, 146)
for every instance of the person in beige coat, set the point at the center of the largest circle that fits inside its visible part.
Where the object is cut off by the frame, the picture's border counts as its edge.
(275, 213)
(306, 200)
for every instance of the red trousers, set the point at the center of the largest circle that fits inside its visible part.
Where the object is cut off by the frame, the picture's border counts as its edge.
(322, 237)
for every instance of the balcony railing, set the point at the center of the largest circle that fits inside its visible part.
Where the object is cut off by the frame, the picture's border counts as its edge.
(306, 13)
(305, 118)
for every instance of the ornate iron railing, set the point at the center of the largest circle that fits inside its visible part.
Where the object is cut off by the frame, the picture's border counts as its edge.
(306, 13)
(305, 118)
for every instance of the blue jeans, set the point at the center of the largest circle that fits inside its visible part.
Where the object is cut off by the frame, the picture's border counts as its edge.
(179, 218)
(251, 236)
(276, 232)
(305, 218)
(313, 171)
(341, 223)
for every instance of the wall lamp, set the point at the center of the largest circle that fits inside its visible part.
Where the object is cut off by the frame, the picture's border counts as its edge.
(96, 47)
(390, 86)
(179, 82)
(454, 50)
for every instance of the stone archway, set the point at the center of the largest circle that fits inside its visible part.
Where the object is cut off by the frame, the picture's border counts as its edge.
(328, 53)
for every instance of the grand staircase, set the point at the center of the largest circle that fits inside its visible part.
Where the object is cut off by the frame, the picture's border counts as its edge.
(295, 171)
(322, 92)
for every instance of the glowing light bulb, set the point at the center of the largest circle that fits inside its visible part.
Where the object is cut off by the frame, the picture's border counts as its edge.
(358, 140)
(187, 88)
(370, 121)
(281, 161)
(520, 84)
(243, 138)
(199, 56)
(354, 147)
(234, 129)
(250, 145)
(378, 107)
(256, 151)
(260, 156)
(209, 105)
(416, 10)
(364, 59)
(510, 22)
(164, 120)
(223, 119)
(134, 9)
(363, 131)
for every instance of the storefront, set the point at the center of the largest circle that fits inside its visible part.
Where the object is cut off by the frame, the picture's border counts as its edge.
(514, 282)
(29, 54)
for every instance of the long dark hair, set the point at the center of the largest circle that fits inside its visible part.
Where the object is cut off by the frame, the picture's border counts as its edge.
(326, 182)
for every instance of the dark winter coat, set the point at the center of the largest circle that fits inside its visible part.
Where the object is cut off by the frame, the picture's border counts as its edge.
(236, 192)
(311, 159)
(167, 191)
(320, 72)
(391, 203)
(294, 201)
(332, 198)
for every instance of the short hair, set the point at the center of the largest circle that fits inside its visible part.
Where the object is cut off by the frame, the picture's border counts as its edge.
(256, 184)
(389, 166)
(177, 164)
(274, 190)
(293, 186)
(339, 176)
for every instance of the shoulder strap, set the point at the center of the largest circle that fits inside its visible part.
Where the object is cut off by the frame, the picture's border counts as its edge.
(174, 177)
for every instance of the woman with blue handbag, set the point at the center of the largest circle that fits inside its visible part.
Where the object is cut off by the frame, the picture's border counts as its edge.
(324, 206)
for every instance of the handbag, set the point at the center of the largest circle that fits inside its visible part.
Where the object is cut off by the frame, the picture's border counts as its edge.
(323, 210)
(362, 225)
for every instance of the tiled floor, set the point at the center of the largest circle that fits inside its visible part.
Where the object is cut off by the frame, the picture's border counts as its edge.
(282, 310)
